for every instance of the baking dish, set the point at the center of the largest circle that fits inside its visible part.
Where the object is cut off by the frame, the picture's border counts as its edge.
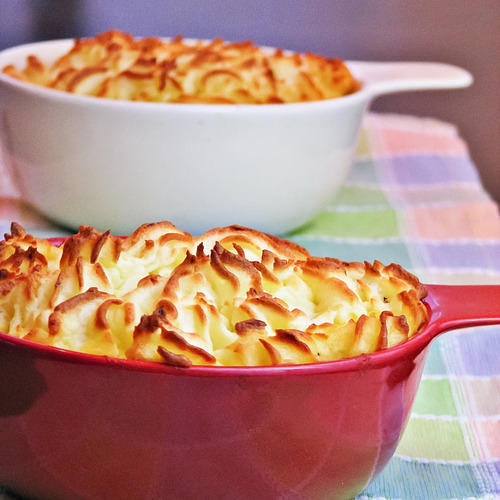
(82, 426)
(113, 164)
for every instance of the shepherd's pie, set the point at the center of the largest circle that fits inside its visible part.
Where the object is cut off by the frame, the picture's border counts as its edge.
(115, 65)
(233, 296)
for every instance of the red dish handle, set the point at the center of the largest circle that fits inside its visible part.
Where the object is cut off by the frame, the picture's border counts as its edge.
(463, 306)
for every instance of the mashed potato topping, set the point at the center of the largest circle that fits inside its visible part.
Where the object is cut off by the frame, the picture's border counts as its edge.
(117, 66)
(233, 296)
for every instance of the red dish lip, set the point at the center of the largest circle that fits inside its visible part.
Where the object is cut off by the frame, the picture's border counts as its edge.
(446, 311)
(363, 361)
(372, 360)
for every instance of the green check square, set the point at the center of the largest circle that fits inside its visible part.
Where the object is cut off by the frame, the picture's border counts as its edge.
(434, 397)
(433, 439)
(362, 224)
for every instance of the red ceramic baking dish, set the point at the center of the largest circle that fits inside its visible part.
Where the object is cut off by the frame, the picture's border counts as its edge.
(79, 426)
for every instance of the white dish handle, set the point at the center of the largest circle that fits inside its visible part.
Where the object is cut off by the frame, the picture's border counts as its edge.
(387, 77)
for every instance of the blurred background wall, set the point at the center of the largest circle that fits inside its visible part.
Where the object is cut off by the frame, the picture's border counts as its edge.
(462, 32)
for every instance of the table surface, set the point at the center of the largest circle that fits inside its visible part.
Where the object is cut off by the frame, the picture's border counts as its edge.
(414, 197)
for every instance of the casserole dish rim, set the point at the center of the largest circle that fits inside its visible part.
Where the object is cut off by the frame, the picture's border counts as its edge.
(375, 359)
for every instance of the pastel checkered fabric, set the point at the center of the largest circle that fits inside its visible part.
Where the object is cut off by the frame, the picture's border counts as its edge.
(413, 196)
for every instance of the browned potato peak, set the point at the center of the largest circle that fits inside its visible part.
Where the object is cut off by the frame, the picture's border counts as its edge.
(117, 66)
(233, 296)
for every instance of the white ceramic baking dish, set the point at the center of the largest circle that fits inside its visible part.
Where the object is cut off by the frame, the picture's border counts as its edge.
(115, 164)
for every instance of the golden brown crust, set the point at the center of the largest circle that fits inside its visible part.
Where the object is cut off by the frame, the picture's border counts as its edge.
(101, 321)
(77, 300)
(233, 296)
(174, 359)
(398, 271)
(249, 325)
(98, 246)
(274, 354)
(115, 65)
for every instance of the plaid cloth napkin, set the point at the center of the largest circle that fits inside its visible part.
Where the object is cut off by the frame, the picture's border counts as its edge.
(413, 196)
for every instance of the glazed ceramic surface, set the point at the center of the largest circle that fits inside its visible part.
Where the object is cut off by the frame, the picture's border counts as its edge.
(114, 164)
(82, 427)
